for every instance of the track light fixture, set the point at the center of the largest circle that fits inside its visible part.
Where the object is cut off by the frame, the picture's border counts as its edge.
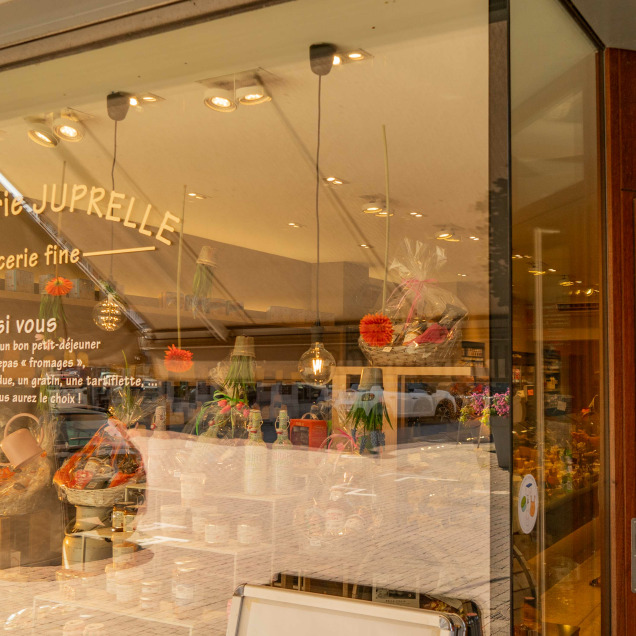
(220, 100)
(41, 134)
(251, 95)
(68, 129)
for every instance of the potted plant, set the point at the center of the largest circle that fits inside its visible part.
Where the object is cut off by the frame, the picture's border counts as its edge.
(500, 427)
(492, 411)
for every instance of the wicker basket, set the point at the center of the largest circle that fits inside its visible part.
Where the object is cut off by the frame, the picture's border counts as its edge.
(99, 498)
(424, 355)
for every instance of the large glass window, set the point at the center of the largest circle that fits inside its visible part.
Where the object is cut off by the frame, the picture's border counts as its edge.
(557, 332)
(246, 321)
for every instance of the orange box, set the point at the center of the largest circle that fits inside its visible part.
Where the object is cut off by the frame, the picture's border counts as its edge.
(307, 432)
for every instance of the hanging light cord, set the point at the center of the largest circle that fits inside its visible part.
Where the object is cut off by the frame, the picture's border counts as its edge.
(112, 181)
(59, 216)
(388, 217)
(317, 206)
(179, 259)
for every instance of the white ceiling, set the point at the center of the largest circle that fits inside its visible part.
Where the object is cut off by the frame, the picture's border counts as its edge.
(427, 82)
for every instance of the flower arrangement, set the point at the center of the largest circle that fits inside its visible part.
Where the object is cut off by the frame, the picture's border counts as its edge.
(51, 303)
(376, 330)
(481, 406)
(178, 360)
(227, 416)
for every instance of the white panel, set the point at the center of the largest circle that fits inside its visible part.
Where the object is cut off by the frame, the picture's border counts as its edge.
(274, 612)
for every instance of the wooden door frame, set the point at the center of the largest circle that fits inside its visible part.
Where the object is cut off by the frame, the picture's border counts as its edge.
(620, 128)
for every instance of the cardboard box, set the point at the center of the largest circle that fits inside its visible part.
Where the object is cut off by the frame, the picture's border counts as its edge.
(19, 280)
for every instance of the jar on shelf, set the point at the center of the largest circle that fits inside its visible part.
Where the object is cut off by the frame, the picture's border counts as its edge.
(249, 531)
(188, 592)
(130, 518)
(150, 595)
(124, 552)
(217, 530)
(117, 519)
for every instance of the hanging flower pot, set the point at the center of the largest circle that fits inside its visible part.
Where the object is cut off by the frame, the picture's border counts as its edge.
(51, 303)
(178, 360)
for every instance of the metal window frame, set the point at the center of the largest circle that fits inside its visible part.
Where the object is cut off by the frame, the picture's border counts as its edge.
(168, 16)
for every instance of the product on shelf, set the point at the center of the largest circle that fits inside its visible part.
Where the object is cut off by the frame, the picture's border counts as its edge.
(426, 319)
(282, 457)
(256, 457)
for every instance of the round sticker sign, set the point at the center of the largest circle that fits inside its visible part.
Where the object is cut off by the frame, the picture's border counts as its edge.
(528, 504)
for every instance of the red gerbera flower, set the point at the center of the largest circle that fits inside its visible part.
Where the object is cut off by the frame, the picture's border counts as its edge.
(58, 286)
(178, 360)
(376, 330)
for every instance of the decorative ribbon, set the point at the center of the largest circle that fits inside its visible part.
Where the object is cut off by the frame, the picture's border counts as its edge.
(412, 285)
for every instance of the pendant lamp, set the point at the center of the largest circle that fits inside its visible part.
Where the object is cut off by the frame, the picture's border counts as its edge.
(316, 365)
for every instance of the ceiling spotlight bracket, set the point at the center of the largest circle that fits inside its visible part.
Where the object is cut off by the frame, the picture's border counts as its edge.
(321, 57)
(117, 104)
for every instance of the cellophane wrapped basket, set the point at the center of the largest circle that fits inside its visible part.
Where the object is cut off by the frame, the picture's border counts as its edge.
(426, 318)
(97, 475)
(23, 489)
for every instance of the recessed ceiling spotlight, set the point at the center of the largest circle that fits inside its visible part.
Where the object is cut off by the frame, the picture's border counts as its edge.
(254, 94)
(536, 272)
(578, 282)
(365, 246)
(197, 195)
(463, 275)
(383, 213)
(294, 225)
(473, 238)
(68, 129)
(337, 60)
(42, 135)
(566, 283)
(551, 270)
(446, 235)
(133, 101)
(334, 181)
(517, 256)
(220, 100)
(372, 208)
(355, 55)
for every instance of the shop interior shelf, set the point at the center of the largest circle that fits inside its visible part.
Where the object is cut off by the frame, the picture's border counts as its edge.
(230, 548)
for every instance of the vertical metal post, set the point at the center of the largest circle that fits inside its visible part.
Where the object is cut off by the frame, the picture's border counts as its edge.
(540, 410)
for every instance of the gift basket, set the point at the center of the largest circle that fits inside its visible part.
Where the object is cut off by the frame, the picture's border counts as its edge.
(422, 322)
(28, 471)
(97, 475)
